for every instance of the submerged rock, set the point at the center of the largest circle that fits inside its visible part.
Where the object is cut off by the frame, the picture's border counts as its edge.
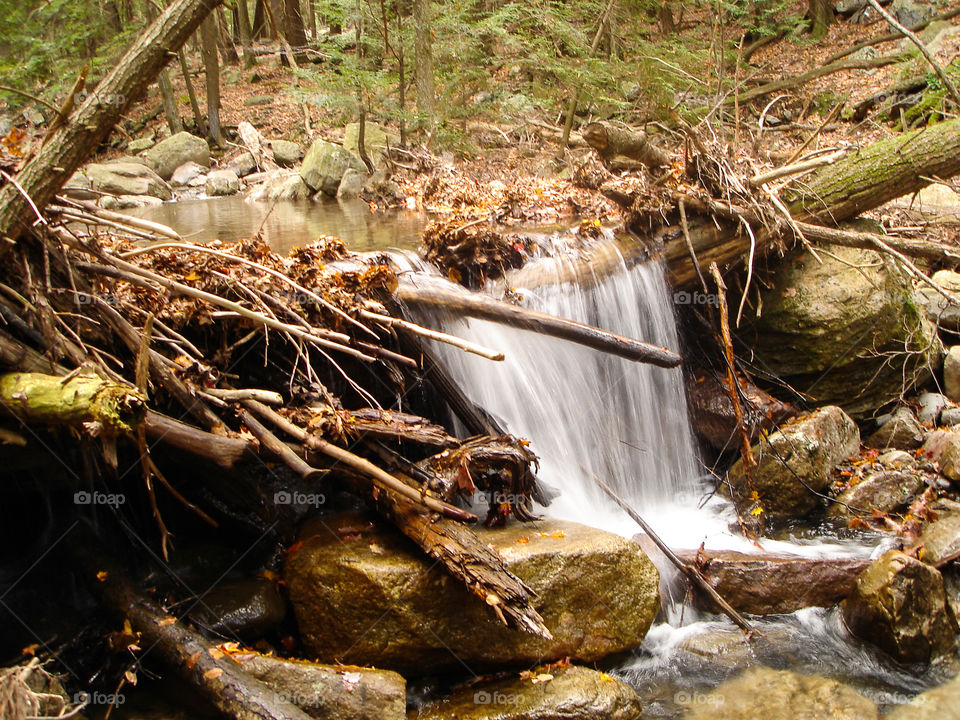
(847, 331)
(573, 693)
(167, 155)
(377, 599)
(795, 463)
(325, 164)
(901, 431)
(328, 692)
(899, 605)
(887, 491)
(127, 178)
(126, 202)
(769, 694)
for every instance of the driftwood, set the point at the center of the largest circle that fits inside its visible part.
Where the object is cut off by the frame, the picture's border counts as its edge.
(486, 308)
(610, 141)
(227, 452)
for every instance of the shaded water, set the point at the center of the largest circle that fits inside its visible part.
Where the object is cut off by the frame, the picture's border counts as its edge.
(287, 224)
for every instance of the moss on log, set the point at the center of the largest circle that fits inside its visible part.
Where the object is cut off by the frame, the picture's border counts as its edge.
(54, 400)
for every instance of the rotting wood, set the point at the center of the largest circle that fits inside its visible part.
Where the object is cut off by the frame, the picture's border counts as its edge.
(610, 141)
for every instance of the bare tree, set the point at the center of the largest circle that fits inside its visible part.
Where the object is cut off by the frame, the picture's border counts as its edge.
(423, 72)
(211, 64)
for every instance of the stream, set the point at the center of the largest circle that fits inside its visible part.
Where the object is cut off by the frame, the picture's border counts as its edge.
(590, 414)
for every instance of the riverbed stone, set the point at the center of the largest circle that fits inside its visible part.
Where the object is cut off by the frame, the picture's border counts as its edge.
(243, 164)
(931, 405)
(78, 187)
(772, 584)
(899, 604)
(795, 463)
(375, 141)
(222, 182)
(770, 694)
(375, 598)
(940, 540)
(935, 443)
(939, 703)
(901, 431)
(351, 184)
(167, 155)
(845, 329)
(940, 311)
(330, 692)
(185, 173)
(248, 608)
(127, 178)
(286, 153)
(139, 145)
(951, 373)
(950, 456)
(572, 693)
(888, 491)
(324, 165)
(127, 202)
(281, 185)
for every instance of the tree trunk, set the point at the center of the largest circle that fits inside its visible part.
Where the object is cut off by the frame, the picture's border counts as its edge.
(169, 102)
(227, 49)
(192, 94)
(44, 175)
(312, 19)
(423, 72)
(293, 29)
(820, 15)
(260, 20)
(246, 39)
(211, 64)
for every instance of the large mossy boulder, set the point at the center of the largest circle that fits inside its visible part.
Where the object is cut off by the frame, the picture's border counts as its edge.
(324, 165)
(899, 604)
(573, 693)
(167, 155)
(281, 185)
(375, 141)
(794, 464)
(846, 331)
(373, 597)
(127, 178)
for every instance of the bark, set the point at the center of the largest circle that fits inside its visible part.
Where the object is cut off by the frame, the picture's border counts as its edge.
(227, 452)
(227, 49)
(820, 15)
(69, 146)
(211, 64)
(246, 39)
(260, 20)
(423, 72)
(610, 141)
(192, 94)
(169, 103)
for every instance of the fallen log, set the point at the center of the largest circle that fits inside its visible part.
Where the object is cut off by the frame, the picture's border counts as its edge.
(610, 141)
(486, 308)
(226, 452)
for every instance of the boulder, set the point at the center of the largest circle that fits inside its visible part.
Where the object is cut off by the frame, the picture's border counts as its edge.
(127, 202)
(248, 608)
(910, 12)
(139, 145)
(896, 460)
(931, 405)
(127, 178)
(951, 373)
(167, 155)
(375, 141)
(795, 463)
(888, 491)
(324, 165)
(938, 309)
(846, 331)
(770, 694)
(78, 187)
(281, 185)
(351, 184)
(950, 417)
(940, 540)
(899, 604)
(950, 456)
(222, 182)
(329, 692)
(902, 431)
(377, 599)
(243, 164)
(772, 584)
(185, 173)
(286, 153)
(573, 693)
(936, 442)
(940, 703)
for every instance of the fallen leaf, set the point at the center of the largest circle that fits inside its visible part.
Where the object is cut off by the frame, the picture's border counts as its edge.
(131, 677)
(213, 673)
(102, 575)
(192, 660)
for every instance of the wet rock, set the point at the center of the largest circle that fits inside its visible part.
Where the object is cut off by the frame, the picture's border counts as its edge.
(941, 539)
(243, 164)
(899, 605)
(330, 692)
(351, 184)
(185, 173)
(940, 703)
(377, 599)
(127, 178)
(937, 308)
(325, 164)
(375, 141)
(574, 693)
(796, 462)
(771, 584)
(286, 153)
(777, 695)
(846, 331)
(888, 491)
(222, 182)
(139, 145)
(281, 185)
(247, 608)
(126, 202)
(931, 405)
(901, 431)
(78, 187)
(950, 456)
(167, 155)
(712, 413)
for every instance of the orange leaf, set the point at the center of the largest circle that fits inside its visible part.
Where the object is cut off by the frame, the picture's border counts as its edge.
(192, 660)
(213, 673)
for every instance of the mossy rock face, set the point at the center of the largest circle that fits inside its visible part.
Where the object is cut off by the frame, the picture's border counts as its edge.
(324, 165)
(166, 156)
(371, 597)
(375, 141)
(846, 331)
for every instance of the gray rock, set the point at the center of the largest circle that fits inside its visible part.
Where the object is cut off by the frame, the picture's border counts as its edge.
(899, 605)
(910, 12)
(286, 153)
(255, 100)
(846, 331)
(950, 417)
(351, 184)
(811, 446)
(770, 694)
(328, 691)
(379, 600)
(247, 608)
(139, 145)
(896, 460)
(325, 164)
(185, 173)
(222, 182)
(127, 178)
(33, 116)
(936, 443)
(951, 373)
(573, 693)
(231, 76)
(941, 539)
(950, 456)
(281, 185)
(902, 431)
(887, 491)
(168, 155)
(931, 405)
(78, 187)
(375, 141)
(937, 308)
(127, 202)
(243, 164)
